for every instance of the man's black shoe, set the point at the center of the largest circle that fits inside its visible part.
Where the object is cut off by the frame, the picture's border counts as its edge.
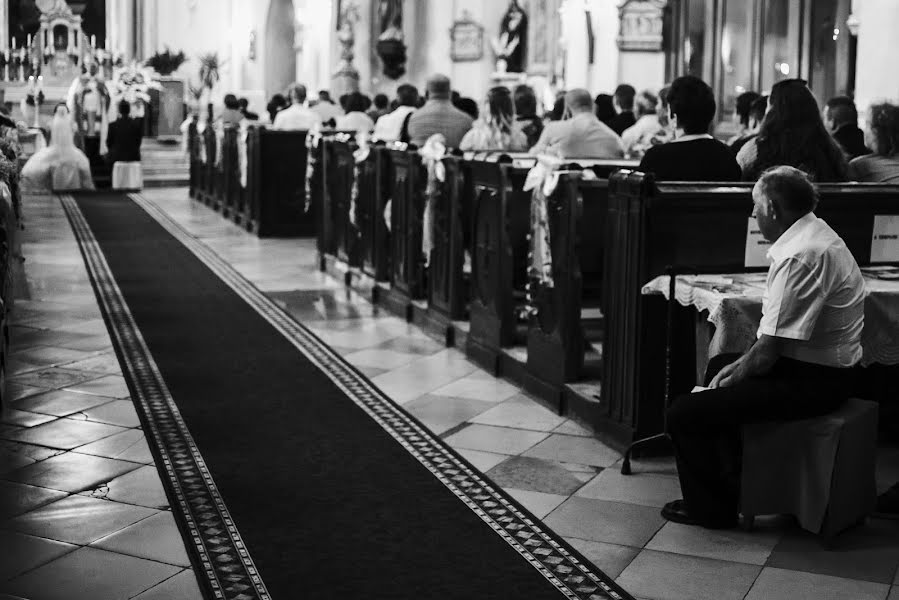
(676, 511)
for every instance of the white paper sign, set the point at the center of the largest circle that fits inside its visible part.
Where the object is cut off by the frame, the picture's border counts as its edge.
(756, 246)
(885, 242)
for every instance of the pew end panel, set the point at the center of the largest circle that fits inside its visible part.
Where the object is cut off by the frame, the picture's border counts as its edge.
(500, 216)
(276, 162)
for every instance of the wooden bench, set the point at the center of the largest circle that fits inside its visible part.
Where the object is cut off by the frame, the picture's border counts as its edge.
(652, 226)
(276, 184)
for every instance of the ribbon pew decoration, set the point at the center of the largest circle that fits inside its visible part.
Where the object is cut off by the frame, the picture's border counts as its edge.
(219, 144)
(313, 139)
(541, 181)
(388, 206)
(201, 137)
(432, 155)
(359, 156)
(242, 136)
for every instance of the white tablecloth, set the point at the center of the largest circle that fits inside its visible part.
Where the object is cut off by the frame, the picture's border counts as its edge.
(734, 306)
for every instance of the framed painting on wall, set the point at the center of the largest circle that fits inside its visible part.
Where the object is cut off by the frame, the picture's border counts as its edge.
(467, 40)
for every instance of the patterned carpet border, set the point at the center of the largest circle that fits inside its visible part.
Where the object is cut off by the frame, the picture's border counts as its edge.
(574, 578)
(222, 563)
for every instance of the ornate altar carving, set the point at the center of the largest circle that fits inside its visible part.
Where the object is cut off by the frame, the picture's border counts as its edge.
(346, 77)
(60, 39)
(510, 47)
(467, 39)
(390, 46)
(642, 25)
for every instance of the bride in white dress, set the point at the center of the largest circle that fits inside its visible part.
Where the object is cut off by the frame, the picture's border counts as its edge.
(61, 166)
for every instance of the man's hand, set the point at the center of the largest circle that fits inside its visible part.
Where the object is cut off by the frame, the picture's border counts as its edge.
(727, 376)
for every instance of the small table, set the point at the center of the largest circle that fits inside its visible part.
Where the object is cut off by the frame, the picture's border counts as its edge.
(732, 304)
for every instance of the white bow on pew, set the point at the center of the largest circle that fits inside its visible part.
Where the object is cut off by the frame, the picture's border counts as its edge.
(201, 147)
(313, 139)
(242, 136)
(432, 155)
(359, 155)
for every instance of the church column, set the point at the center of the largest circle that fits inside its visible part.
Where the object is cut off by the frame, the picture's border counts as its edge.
(4, 24)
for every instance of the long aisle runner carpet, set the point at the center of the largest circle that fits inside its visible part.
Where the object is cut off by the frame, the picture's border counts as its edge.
(292, 476)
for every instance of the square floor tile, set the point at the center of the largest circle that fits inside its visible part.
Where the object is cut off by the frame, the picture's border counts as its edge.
(15, 455)
(570, 427)
(23, 552)
(657, 465)
(54, 378)
(65, 433)
(141, 486)
(731, 545)
(103, 363)
(601, 521)
(480, 385)
(61, 403)
(155, 538)
(113, 386)
(482, 461)
(781, 584)
(91, 573)
(412, 345)
(78, 520)
(499, 440)
(442, 413)
(648, 490)
(423, 375)
(49, 355)
(380, 358)
(23, 418)
(71, 472)
(18, 498)
(664, 576)
(869, 552)
(538, 503)
(611, 559)
(182, 586)
(520, 412)
(17, 391)
(539, 475)
(128, 445)
(117, 412)
(574, 449)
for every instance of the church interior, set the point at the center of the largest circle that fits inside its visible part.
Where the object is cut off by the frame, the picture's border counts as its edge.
(585, 299)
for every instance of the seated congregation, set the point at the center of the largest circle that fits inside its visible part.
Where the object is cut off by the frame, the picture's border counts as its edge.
(534, 244)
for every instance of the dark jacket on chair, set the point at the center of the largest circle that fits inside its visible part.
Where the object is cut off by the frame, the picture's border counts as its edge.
(123, 139)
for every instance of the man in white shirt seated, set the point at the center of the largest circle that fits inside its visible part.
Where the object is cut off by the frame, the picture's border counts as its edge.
(325, 107)
(582, 135)
(800, 366)
(297, 115)
(393, 127)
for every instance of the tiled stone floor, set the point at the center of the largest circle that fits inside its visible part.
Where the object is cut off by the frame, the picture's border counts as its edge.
(83, 514)
(553, 466)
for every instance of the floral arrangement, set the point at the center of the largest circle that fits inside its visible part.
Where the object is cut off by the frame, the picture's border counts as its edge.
(133, 83)
(166, 63)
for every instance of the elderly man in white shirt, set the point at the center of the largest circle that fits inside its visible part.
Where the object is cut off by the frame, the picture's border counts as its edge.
(800, 366)
(297, 115)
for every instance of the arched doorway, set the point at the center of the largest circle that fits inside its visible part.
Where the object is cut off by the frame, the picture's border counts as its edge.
(280, 56)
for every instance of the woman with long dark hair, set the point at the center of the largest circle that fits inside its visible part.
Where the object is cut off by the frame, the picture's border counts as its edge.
(793, 134)
(497, 128)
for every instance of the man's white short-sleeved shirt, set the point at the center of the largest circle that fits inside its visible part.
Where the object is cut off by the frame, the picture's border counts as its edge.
(814, 296)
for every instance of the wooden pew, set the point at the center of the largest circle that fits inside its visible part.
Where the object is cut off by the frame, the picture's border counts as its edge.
(208, 180)
(339, 233)
(448, 287)
(193, 143)
(276, 186)
(374, 237)
(500, 215)
(230, 187)
(405, 190)
(703, 226)
(566, 331)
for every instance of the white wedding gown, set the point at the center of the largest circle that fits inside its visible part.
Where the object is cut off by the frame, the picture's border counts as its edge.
(60, 166)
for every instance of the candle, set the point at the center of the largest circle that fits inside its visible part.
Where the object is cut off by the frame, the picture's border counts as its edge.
(29, 40)
(14, 43)
(93, 41)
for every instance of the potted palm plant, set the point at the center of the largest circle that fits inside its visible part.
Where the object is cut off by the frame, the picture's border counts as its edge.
(209, 76)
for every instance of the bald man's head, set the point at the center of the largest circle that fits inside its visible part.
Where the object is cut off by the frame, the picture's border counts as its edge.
(578, 101)
(438, 87)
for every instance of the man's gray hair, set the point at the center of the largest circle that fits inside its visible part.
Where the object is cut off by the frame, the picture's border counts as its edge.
(298, 92)
(789, 189)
